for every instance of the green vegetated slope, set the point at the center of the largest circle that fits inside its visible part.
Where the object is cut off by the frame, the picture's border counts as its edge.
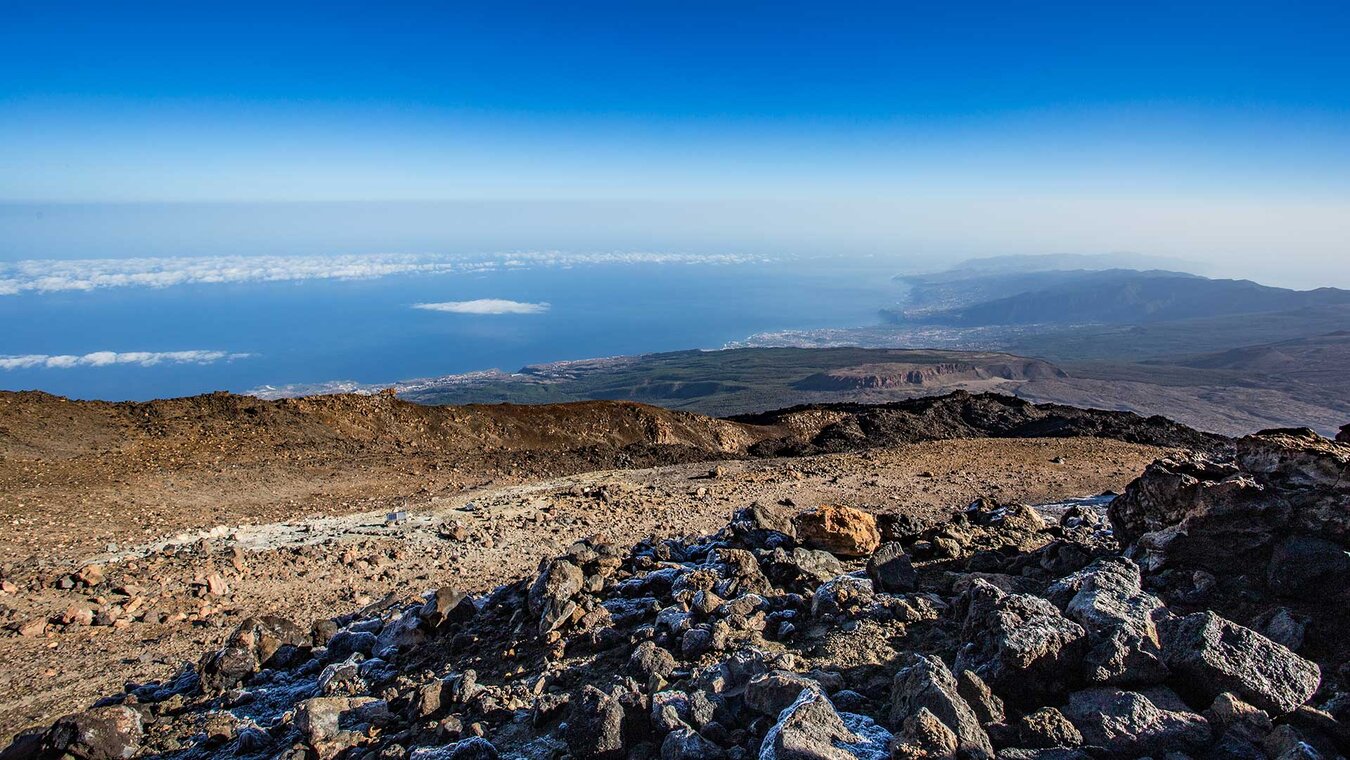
(745, 380)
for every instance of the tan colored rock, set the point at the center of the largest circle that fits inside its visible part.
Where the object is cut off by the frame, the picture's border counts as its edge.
(90, 575)
(35, 627)
(77, 616)
(215, 585)
(839, 530)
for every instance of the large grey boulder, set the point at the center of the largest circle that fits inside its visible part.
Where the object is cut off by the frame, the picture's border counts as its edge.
(1134, 724)
(550, 597)
(1107, 599)
(1018, 644)
(595, 726)
(923, 682)
(1210, 655)
(811, 729)
(1227, 517)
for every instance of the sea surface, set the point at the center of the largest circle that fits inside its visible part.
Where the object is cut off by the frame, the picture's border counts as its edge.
(107, 338)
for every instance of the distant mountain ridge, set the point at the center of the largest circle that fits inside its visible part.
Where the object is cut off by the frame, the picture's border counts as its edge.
(1050, 262)
(1121, 296)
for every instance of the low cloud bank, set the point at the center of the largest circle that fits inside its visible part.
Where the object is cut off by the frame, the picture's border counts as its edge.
(112, 358)
(52, 276)
(485, 306)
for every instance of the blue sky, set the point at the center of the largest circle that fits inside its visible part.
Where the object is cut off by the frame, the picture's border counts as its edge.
(1148, 122)
(248, 101)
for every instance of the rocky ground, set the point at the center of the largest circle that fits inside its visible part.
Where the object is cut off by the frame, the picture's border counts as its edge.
(73, 630)
(1201, 613)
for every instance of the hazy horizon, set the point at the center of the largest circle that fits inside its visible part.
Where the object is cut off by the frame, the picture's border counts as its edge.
(870, 231)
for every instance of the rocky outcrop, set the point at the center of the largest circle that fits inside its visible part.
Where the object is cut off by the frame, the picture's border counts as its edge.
(1260, 538)
(824, 428)
(899, 374)
(995, 634)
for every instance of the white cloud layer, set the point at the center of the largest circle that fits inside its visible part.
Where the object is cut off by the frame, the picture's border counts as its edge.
(51, 276)
(111, 358)
(485, 306)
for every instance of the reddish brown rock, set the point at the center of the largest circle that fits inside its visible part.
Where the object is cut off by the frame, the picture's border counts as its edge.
(844, 531)
(90, 575)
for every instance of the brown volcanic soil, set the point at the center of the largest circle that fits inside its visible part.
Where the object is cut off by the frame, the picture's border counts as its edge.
(80, 475)
(285, 503)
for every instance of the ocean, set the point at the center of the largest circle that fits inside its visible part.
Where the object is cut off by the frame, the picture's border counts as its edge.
(145, 328)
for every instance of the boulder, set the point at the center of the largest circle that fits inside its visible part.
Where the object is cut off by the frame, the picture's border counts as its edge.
(686, 744)
(1223, 516)
(771, 693)
(1047, 728)
(447, 606)
(595, 726)
(1210, 655)
(1283, 626)
(673, 709)
(1106, 598)
(842, 531)
(811, 729)
(890, 569)
(987, 706)
(923, 735)
(550, 597)
(258, 643)
(90, 575)
(1134, 724)
(103, 733)
(318, 718)
(845, 595)
(649, 660)
(1236, 718)
(1017, 643)
(760, 527)
(350, 642)
(810, 566)
(924, 682)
